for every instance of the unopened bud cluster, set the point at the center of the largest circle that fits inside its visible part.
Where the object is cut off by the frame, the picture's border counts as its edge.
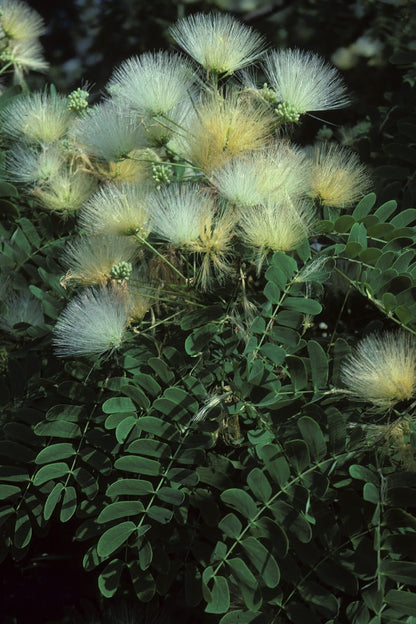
(78, 100)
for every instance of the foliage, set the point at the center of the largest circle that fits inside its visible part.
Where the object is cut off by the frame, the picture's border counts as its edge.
(216, 456)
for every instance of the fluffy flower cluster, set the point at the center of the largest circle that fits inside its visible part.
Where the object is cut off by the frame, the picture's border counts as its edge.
(20, 29)
(178, 179)
(382, 369)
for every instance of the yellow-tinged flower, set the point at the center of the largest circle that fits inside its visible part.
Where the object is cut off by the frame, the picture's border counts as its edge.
(36, 118)
(141, 294)
(271, 174)
(24, 56)
(225, 126)
(276, 227)
(337, 178)
(382, 369)
(300, 81)
(93, 323)
(218, 41)
(90, 259)
(19, 22)
(214, 245)
(65, 192)
(118, 210)
(135, 167)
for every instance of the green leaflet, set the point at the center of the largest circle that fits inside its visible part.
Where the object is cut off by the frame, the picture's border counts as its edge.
(262, 560)
(138, 465)
(241, 501)
(215, 591)
(120, 509)
(114, 537)
(55, 452)
(319, 364)
(402, 601)
(108, 580)
(51, 471)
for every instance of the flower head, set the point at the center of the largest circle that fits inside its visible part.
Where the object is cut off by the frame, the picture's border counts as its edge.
(337, 178)
(90, 259)
(25, 55)
(117, 210)
(108, 131)
(275, 227)
(274, 174)
(218, 41)
(132, 169)
(65, 192)
(27, 164)
(214, 246)
(301, 82)
(177, 212)
(93, 323)
(225, 126)
(382, 369)
(19, 22)
(36, 118)
(152, 83)
(21, 308)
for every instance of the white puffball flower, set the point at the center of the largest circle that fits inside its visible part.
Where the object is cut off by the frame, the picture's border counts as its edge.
(109, 131)
(21, 308)
(218, 41)
(382, 369)
(118, 210)
(275, 173)
(25, 56)
(302, 82)
(20, 22)
(93, 323)
(152, 83)
(26, 164)
(36, 118)
(90, 259)
(273, 226)
(178, 211)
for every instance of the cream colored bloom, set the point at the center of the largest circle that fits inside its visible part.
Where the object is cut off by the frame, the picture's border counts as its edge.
(382, 369)
(109, 131)
(19, 22)
(36, 118)
(90, 259)
(177, 212)
(276, 227)
(224, 126)
(93, 323)
(65, 192)
(301, 82)
(218, 41)
(271, 174)
(118, 210)
(214, 247)
(27, 164)
(337, 178)
(153, 83)
(24, 56)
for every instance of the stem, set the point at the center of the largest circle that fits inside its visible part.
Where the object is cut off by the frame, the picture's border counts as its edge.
(331, 340)
(161, 256)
